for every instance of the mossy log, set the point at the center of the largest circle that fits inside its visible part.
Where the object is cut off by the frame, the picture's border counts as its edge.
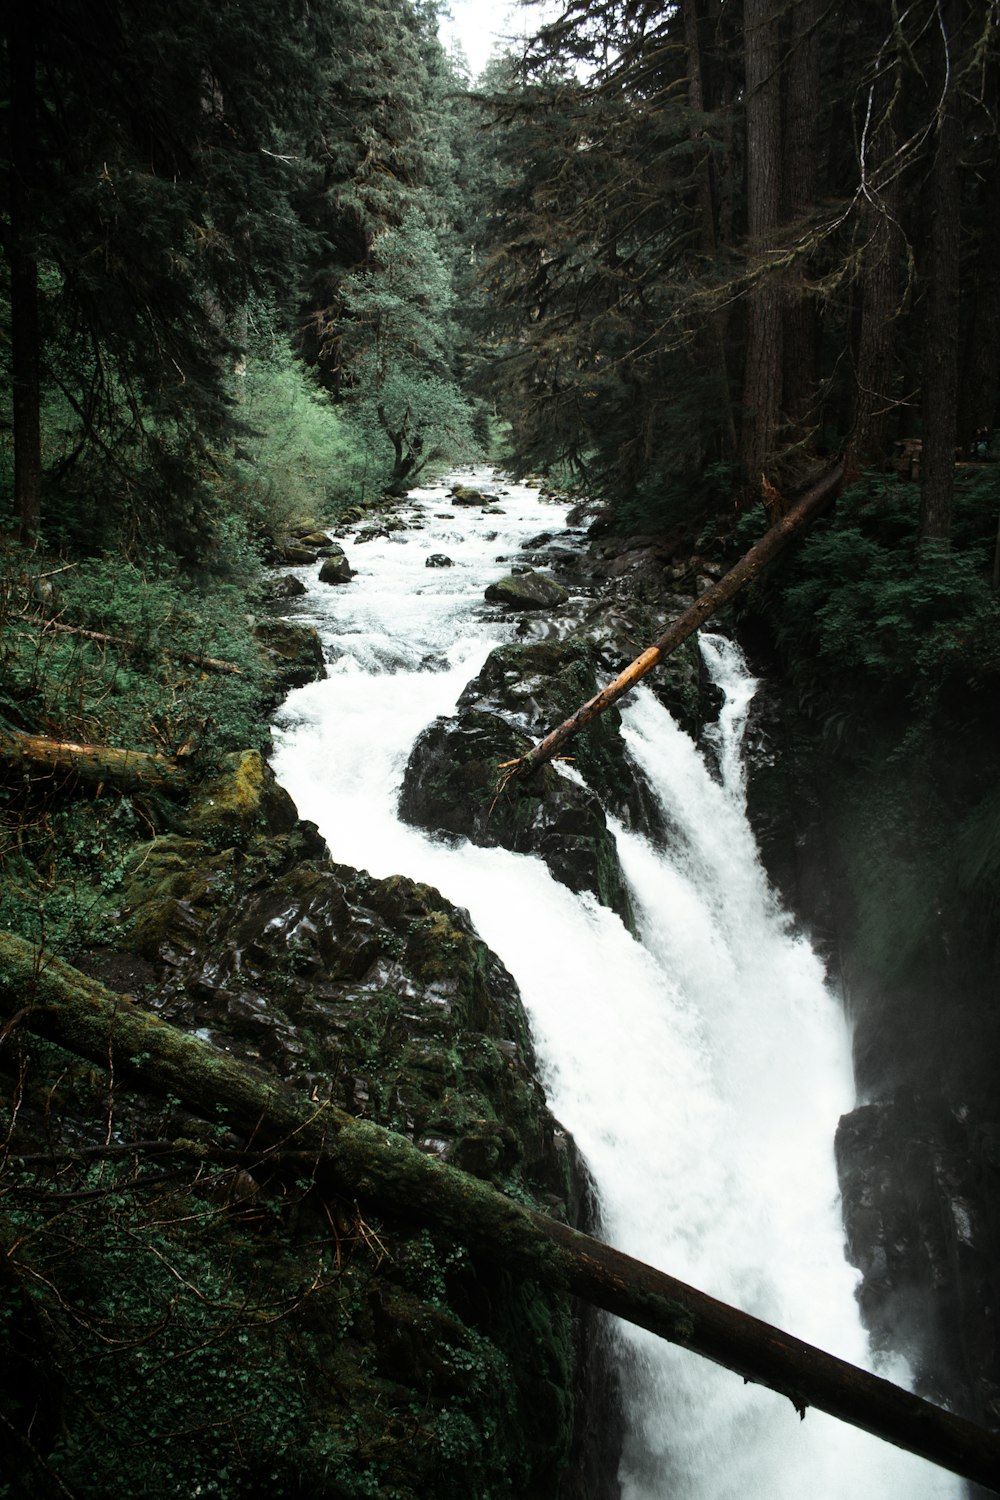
(774, 541)
(129, 770)
(388, 1172)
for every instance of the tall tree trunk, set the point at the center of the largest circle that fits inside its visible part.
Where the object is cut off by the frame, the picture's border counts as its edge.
(941, 307)
(801, 173)
(762, 373)
(358, 1158)
(705, 201)
(980, 373)
(25, 355)
(880, 290)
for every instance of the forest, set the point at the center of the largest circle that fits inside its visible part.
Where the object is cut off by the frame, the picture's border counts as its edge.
(265, 268)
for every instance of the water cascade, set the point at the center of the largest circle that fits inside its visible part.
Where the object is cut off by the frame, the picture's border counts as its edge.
(702, 1070)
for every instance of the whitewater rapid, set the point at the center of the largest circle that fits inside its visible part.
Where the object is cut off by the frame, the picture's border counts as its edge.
(701, 1070)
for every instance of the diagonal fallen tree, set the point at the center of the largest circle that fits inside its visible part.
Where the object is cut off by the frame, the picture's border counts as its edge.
(772, 543)
(387, 1171)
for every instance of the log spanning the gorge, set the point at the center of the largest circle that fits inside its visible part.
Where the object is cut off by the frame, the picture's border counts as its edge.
(380, 1168)
(774, 541)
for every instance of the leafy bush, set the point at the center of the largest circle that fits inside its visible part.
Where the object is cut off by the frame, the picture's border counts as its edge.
(146, 690)
(298, 457)
(862, 596)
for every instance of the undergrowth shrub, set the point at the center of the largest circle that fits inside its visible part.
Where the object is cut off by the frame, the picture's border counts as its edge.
(146, 689)
(864, 604)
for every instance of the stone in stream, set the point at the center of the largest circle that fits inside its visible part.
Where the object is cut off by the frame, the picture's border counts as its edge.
(336, 568)
(451, 781)
(439, 560)
(529, 590)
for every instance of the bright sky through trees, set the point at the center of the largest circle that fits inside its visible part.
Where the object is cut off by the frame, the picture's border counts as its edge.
(482, 27)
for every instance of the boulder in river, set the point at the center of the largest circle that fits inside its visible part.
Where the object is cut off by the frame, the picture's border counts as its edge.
(294, 653)
(529, 590)
(283, 586)
(463, 494)
(454, 782)
(336, 568)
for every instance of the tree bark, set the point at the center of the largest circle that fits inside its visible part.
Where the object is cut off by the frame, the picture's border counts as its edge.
(705, 201)
(762, 372)
(941, 334)
(801, 174)
(769, 547)
(387, 1170)
(129, 770)
(24, 331)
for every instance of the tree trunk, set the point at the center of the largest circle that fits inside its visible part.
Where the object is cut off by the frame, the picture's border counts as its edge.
(770, 545)
(801, 172)
(385, 1169)
(762, 371)
(97, 765)
(941, 308)
(24, 333)
(980, 374)
(705, 209)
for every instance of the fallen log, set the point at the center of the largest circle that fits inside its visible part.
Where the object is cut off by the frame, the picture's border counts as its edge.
(192, 658)
(387, 1171)
(766, 550)
(97, 765)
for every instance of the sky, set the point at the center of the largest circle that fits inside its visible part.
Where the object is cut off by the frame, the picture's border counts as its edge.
(482, 27)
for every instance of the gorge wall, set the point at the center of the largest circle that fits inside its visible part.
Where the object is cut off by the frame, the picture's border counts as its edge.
(878, 833)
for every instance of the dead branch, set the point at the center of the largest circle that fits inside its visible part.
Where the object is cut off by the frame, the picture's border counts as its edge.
(785, 529)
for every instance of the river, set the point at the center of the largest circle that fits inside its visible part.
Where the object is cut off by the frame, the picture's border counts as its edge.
(702, 1070)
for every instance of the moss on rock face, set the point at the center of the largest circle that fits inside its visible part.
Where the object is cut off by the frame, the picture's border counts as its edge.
(239, 797)
(430, 1374)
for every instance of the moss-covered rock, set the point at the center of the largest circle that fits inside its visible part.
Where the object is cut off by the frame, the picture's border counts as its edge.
(379, 995)
(294, 654)
(528, 590)
(237, 798)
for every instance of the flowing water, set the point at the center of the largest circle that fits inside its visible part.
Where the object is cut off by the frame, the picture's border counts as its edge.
(701, 1070)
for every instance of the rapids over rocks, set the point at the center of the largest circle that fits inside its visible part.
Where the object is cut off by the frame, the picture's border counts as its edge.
(685, 1035)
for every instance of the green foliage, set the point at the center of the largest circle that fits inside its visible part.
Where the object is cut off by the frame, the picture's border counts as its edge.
(298, 457)
(863, 601)
(160, 1336)
(137, 692)
(401, 341)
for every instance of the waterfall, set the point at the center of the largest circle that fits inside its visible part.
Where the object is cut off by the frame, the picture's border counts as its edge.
(701, 1070)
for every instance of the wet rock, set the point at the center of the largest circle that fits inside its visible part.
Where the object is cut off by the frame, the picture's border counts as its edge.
(454, 784)
(913, 1184)
(463, 494)
(379, 995)
(294, 652)
(530, 590)
(439, 560)
(294, 553)
(336, 568)
(315, 539)
(284, 586)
